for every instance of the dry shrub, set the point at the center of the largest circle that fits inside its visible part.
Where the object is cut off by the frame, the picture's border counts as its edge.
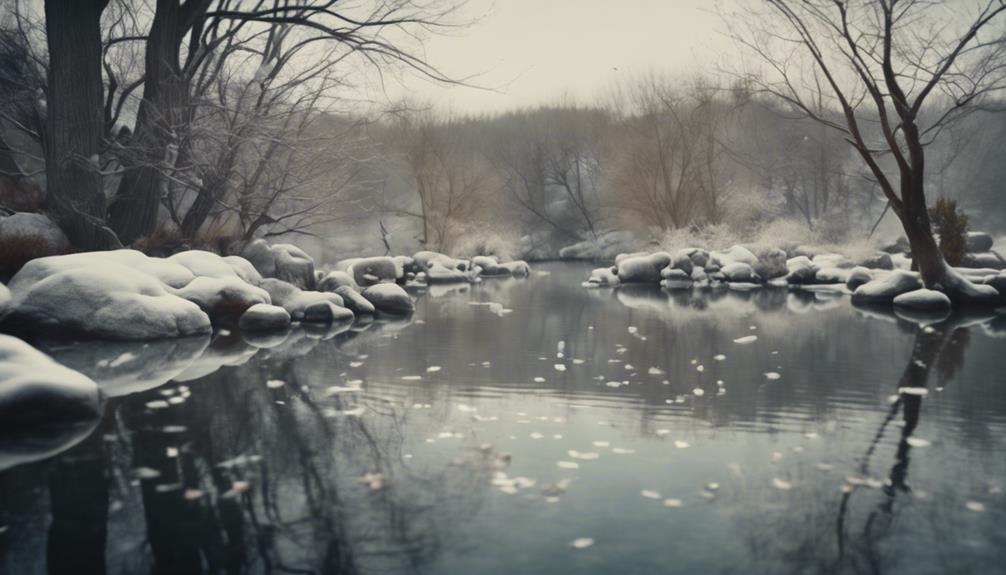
(952, 226)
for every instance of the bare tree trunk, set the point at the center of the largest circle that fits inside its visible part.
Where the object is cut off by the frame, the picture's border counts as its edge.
(74, 122)
(133, 213)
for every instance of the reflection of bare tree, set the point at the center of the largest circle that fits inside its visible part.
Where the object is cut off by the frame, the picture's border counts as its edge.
(273, 481)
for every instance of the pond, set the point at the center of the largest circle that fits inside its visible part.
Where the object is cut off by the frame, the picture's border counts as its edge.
(533, 426)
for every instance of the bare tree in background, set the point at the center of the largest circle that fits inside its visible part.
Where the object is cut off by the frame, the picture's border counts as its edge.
(882, 63)
(451, 174)
(667, 166)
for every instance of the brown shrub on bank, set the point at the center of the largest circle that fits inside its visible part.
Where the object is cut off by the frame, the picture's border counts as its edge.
(952, 226)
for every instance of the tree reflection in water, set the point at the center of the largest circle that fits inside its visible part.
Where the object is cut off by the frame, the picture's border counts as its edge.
(269, 484)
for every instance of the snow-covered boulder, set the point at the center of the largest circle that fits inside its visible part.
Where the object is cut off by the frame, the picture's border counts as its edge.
(674, 278)
(26, 236)
(208, 264)
(370, 271)
(641, 268)
(334, 280)
(439, 273)
(801, 270)
(979, 242)
(424, 260)
(885, 288)
(771, 264)
(390, 299)
(858, 276)
(518, 269)
(739, 272)
(284, 262)
(682, 260)
(831, 275)
(490, 266)
(602, 277)
(295, 300)
(923, 300)
(106, 300)
(699, 256)
(223, 297)
(989, 259)
(169, 273)
(354, 301)
(736, 254)
(35, 390)
(878, 261)
(264, 317)
(326, 311)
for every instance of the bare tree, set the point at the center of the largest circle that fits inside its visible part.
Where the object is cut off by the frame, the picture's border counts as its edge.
(881, 64)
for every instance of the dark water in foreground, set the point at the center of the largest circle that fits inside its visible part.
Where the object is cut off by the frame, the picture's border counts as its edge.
(356, 454)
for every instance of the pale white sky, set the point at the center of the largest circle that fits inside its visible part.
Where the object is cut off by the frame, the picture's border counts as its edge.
(539, 51)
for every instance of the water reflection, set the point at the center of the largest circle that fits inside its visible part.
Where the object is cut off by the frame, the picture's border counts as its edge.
(378, 447)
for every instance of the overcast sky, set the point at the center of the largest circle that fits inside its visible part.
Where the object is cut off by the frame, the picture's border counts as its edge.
(539, 51)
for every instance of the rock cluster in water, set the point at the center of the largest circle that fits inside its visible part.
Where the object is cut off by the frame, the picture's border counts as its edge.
(879, 278)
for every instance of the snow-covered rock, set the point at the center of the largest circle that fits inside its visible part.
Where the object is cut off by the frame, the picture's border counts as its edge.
(602, 277)
(390, 299)
(370, 271)
(25, 236)
(326, 311)
(425, 259)
(858, 276)
(885, 288)
(736, 254)
(979, 242)
(801, 270)
(637, 268)
(336, 279)
(490, 266)
(208, 264)
(989, 259)
(284, 262)
(771, 264)
(354, 301)
(739, 272)
(167, 272)
(518, 269)
(878, 261)
(674, 278)
(295, 300)
(105, 300)
(35, 390)
(437, 272)
(223, 297)
(831, 275)
(264, 317)
(682, 260)
(923, 300)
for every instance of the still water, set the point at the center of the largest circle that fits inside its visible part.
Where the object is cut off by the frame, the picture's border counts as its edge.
(558, 430)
